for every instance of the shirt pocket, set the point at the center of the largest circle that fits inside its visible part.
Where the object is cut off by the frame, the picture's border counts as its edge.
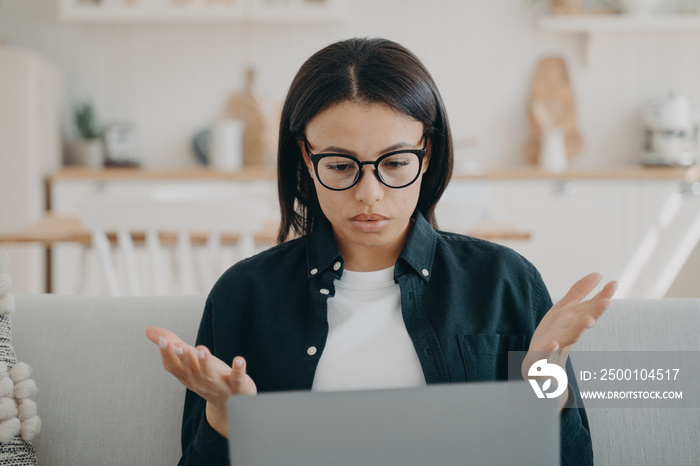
(485, 356)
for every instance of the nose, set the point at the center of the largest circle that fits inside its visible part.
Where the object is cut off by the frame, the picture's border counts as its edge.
(369, 190)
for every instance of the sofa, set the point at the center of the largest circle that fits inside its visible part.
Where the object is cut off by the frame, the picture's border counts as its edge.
(104, 398)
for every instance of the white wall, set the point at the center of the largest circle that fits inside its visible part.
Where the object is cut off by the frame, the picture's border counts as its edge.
(171, 80)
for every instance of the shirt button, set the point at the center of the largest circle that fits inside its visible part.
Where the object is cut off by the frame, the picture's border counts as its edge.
(311, 351)
(425, 272)
(336, 266)
(314, 271)
(324, 291)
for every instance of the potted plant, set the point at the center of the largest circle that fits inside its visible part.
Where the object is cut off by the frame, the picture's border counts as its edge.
(88, 150)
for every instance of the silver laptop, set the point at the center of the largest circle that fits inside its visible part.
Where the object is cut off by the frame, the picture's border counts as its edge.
(456, 424)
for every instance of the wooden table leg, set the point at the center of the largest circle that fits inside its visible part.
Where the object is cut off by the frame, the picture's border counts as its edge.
(48, 279)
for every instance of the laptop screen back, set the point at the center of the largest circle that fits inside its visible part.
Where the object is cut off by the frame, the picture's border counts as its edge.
(435, 425)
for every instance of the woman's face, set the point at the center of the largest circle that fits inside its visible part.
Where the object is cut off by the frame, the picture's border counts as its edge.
(369, 219)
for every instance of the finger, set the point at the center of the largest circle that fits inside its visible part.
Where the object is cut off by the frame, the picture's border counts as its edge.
(599, 304)
(188, 359)
(208, 364)
(579, 290)
(164, 338)
(593, 308)
(212, 366)
(597, 309)
(574, 333)
(156, 333)
(237, 378)
(203, 355)
(171, 361)
(607, 292)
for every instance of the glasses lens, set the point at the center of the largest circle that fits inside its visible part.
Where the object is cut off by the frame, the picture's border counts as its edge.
(398, 170)
(337, 172)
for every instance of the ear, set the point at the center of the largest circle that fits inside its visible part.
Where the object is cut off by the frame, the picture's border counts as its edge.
(307, 160)
(428, 153)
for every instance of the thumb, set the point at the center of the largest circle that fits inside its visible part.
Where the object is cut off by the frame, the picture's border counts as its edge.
(552, 346)
(237, 379)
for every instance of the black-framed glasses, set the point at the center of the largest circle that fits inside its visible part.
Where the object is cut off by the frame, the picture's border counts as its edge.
(396, 169)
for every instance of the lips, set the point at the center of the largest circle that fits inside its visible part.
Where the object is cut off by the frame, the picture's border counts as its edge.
(369, 223)
(368, 218)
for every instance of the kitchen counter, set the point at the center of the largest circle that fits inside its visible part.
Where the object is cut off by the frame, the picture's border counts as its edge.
(608, 213)
(624, 172)
(144, 174)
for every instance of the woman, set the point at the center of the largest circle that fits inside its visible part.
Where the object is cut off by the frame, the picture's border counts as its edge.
(370, 295)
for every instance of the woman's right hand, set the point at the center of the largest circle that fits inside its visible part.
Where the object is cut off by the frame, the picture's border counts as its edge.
(206, 375)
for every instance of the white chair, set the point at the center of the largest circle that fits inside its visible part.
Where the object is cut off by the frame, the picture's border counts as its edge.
(155, 219)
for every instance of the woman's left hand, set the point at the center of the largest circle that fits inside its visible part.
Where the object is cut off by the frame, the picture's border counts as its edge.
(566, 321)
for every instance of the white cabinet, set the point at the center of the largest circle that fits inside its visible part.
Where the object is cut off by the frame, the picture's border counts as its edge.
(669, 229)
(252, 11)
(640, 232)
(576, 227)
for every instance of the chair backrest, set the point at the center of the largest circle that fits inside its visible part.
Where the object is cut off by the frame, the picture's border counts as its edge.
(180, 219)
(645, 436)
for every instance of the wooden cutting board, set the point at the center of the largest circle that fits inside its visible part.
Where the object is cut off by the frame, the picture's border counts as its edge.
(552, 94)
(245, 106)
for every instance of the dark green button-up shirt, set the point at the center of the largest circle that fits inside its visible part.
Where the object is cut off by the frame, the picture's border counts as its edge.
(465, 302)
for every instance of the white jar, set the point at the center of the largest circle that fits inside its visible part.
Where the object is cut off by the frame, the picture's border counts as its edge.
(226, 148)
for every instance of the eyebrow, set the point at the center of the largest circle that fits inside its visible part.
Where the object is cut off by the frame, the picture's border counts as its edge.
(340, 150)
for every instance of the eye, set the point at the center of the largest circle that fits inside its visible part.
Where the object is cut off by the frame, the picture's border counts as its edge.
(339, 166)
(397, 161)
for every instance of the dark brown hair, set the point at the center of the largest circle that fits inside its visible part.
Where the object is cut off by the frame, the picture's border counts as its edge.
(366, 71)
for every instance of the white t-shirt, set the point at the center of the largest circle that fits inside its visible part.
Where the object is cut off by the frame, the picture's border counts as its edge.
(368, 345)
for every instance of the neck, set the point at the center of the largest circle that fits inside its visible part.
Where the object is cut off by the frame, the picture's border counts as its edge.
(361, 258)
(369, 259)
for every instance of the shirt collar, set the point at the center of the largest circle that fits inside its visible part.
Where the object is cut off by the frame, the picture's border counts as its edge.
(322, 252)
(417, 255)
(419, 252)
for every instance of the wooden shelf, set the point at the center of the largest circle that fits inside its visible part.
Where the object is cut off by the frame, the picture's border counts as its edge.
(593, 25)
(169, 11)
(620, 23)
(623, 172)
(140, 174)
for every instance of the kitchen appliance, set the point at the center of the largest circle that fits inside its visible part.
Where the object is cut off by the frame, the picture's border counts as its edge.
(31, 92)
(671, 132)
(121, 145)
(639, 7)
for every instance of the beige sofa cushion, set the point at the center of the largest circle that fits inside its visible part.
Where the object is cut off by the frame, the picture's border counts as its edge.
(645, 436)
(103, 396)
(125, 409)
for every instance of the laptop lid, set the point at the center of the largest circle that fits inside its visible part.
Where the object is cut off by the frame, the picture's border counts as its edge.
(435, 425)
